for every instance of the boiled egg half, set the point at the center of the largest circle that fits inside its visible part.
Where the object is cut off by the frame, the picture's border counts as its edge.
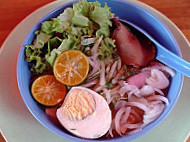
(85, 113)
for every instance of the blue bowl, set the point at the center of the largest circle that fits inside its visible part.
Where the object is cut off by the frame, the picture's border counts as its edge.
(127, 11)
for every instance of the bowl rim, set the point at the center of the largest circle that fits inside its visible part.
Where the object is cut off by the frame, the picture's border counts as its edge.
(62, 134)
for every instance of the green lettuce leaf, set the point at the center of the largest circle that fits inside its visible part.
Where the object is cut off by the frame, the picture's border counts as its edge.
(67, 44)
(51, 56)
(109, 43)
(80, 20)
(41, 39)
(66, 16)
(33, 56)
(101, 15)
(104, 30)
(39, 66)
(81, 12)
(76, 31)
(82, 7)
(47, 27)
(54, 42)
(59, 24)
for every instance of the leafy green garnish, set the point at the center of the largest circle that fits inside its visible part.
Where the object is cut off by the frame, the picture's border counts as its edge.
(41, 39)
(81, 8)
(106, 49)
(100, 15)
(67, 44)
(66, 32)
(33, 56)
(52, 44)
(104, 30)
(66, 16)
(80, 20)
(59, 24)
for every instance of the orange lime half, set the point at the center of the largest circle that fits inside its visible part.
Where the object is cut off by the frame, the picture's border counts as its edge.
(48, 91)
(71, 67)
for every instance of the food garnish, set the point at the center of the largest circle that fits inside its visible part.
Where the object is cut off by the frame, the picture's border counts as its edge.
(47, 91)
(71, 67)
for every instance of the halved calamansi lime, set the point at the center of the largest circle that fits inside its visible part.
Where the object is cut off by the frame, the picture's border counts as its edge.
(71, 67)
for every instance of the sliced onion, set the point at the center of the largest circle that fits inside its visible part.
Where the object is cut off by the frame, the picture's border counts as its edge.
(158, 97)
(122, 83)
(112, 128)
(157, 79)
(153, 103)
(134, 131)
(108, 67)
(168, 70)
(122, 91)
(119, 64)
(98, 89)
(91, 62)
(126, 115)
(115, 96)
(118, 75)
(120, 104)
(102, 74)
(136, 114)
(96, 86)
(139, 105)
(96, 45)
(135, 91)
(159, 91)
(83, 37)
(118, 117)
(94, 56)
(132, 126)
(89, 84)
(129, 89)
(162, 68)
(141, 100)
(107, 94)
(110, 74)
(116, 88)
(153, 114)
(95, 63)
(114, 73)
(146, 90)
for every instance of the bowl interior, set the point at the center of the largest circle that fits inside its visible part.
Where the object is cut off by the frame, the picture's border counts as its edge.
(124, 10)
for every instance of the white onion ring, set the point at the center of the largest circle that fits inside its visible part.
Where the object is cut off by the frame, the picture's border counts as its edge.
(157, 79)
(139, 105)
(102, 74)
(158, 97)
(118, 117)
(119, 104)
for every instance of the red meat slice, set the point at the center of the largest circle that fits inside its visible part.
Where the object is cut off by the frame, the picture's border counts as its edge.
(131, 50)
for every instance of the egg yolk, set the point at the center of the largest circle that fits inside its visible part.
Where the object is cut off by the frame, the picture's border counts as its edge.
(78, 105)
